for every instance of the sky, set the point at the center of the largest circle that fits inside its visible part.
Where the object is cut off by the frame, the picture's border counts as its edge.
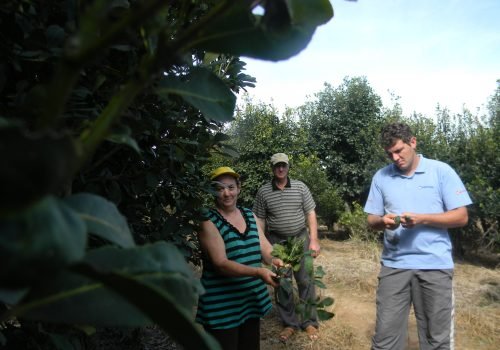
(427, 52)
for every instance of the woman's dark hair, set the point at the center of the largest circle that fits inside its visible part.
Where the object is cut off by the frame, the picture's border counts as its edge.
(391, 133)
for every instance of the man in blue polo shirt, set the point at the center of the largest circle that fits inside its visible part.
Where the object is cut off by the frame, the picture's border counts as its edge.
(415, 200)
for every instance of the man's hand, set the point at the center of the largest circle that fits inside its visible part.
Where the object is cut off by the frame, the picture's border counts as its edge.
(409, 220)
(314, 247)
(390, 221)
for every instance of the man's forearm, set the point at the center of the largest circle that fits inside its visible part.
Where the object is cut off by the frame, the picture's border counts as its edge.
(450, 219)
(376, 222)
(453, 218)
(312, 223)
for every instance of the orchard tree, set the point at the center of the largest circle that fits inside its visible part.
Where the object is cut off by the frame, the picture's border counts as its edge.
(342, 125)
(469, 143)
(329, 203)
(108, 111)
(258, 132)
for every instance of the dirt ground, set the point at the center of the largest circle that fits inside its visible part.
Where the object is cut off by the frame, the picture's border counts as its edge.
(351, 279)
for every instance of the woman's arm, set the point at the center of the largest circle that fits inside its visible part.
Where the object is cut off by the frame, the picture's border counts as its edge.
(213, 245)
(266, 249)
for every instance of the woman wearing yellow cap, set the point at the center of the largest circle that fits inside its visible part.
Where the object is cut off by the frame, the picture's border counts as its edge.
(236, 295)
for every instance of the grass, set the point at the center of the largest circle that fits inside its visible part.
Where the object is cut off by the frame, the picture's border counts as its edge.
(351, 278)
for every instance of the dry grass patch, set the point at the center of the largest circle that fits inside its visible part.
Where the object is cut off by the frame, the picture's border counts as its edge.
(351, 279)
(332, 335)
(351, 265)
(477, 319)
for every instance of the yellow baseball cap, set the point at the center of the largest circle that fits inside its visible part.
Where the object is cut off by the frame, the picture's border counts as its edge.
(224, 170)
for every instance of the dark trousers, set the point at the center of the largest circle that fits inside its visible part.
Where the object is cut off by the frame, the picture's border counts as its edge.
(305, 286)
(244, 337)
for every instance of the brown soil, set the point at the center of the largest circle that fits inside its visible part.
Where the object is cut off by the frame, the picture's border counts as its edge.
(351, 279)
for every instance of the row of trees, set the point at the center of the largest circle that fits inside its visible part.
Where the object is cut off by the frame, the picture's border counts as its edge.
(333, 143)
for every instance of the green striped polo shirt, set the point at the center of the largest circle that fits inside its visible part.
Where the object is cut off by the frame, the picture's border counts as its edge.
(230, 301)
(284, 210)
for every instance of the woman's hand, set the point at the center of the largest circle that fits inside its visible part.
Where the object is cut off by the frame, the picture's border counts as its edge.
(277, 262)
(267, 276)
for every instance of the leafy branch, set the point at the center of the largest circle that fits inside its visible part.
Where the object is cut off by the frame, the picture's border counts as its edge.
(292, 253)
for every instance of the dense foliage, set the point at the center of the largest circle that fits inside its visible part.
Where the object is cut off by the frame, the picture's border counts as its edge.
(469, 143)
(257, 132)
(333, 141)
(340, 124)
(108, 112)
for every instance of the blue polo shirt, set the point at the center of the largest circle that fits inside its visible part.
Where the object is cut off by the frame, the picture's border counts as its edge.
(434, 188)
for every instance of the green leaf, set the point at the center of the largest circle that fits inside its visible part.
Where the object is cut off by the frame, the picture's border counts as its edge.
(320, 284)
(278, 251)
(12, 296)
(326, 302)
(3, 340)
(40, 241)
(325, 315)
(122, 135)
(300, 309)
(33, 165)
(310, 12)
(161, 307)
(280, 33)
(204, 91)
(70, 297)
(60, 341)
(319, 272)
(309, 264)
(397, 220)
(229, 151)
(55, 36)
(102, 218)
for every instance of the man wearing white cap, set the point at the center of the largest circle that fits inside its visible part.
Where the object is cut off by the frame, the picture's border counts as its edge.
(286, 208)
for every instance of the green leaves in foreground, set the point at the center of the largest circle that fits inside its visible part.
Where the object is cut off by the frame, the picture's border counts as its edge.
(33, 165)
(102, 218)
(46, 275)
(204, 91)
(40, 241)
(283, 30)
(52, 233)
(123, 287)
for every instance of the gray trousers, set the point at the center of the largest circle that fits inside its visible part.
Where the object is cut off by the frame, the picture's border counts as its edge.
(305, 286)
(431, 292)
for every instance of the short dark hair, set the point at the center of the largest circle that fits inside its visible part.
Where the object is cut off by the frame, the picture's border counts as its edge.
(391, 133)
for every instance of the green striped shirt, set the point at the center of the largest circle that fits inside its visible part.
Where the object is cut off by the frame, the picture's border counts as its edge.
(230, 301)
(284, 210)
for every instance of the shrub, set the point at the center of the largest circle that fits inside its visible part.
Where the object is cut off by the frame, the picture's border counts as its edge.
(354, 221)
